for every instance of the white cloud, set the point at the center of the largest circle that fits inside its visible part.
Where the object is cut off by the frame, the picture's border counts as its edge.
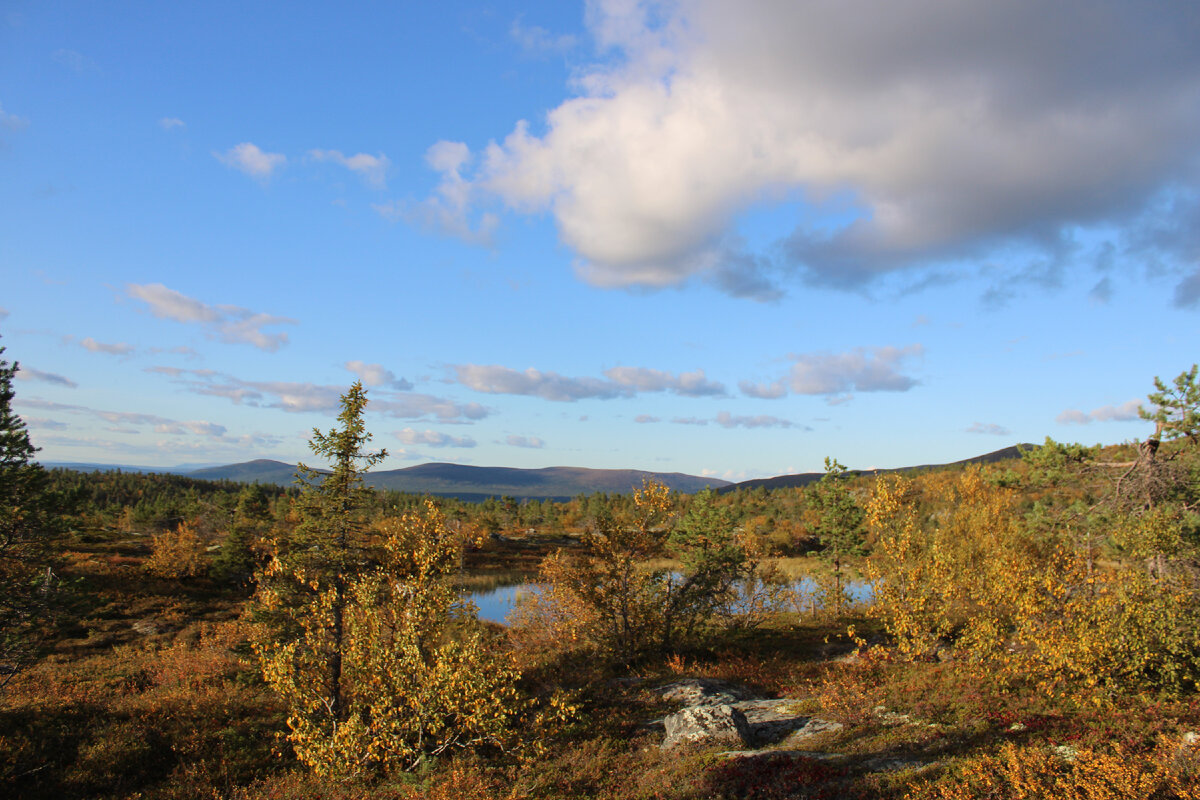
(836, 375)
(307, 397)
(249, 159)
(197, 427)
(376, 375)
(76, 62)
(727, 420)
(687, 384)
(25, 373)
(537, 41)
(118, 349)
(42, 423)
(495, 379)
(989, 428)
(448, 211)
(763, 391)
(1125, 412)
(533, 442)
(548, 385)
(231, 324)
(926, 131)
(130, 421)
(433, 438)
(372, 169)
(415, 406)
(12, 121)
(644, 418)
(862, 370)
(171, 123)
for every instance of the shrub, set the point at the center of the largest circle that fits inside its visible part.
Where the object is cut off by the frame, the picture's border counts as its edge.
(1033, 772)
(177, 554)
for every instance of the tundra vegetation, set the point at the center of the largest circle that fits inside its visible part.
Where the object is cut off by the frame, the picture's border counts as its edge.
(1034, 630)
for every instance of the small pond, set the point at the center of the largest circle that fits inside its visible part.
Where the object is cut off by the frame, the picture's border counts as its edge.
(495, 604)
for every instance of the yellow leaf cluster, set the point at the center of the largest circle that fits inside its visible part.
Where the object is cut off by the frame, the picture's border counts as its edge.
(177, 554)
(1035, 772)
(957, 568)
(418, 675)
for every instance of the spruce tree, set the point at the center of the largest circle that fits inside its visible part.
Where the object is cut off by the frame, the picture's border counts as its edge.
(376, 658)
(839, 524)
(305, 588)
(25, 522)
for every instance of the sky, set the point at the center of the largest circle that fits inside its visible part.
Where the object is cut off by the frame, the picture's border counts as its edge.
(726, 239)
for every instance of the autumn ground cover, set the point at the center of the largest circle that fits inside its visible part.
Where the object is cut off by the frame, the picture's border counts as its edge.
(148, 690)
(1034, 632)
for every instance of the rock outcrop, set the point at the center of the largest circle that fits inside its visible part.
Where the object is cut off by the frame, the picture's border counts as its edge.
(719, 712)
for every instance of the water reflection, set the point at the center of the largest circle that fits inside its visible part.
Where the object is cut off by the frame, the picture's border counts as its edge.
(496, 604)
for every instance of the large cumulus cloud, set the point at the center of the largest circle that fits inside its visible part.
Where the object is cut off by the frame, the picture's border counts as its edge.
(908, 132)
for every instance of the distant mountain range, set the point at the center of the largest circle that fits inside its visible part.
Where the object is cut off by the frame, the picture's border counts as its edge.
(479, 483)
(805, 478)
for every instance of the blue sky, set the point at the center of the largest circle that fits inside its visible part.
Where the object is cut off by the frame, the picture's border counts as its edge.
(722, 239)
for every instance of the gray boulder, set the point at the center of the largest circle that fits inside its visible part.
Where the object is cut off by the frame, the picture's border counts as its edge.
(710, 724)
(689, 692)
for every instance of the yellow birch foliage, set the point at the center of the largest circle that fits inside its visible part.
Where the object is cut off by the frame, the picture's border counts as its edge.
(421, 676)
(1021, 603)
(604, 600)
(1036, 772)
(177, 554)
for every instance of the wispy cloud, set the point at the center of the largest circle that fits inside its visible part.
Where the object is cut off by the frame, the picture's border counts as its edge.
(532, 442)
(76, 62)
(1125, 412)
(248, 158)
(117, 349)
(727, 420)
(410, 436)
(685, 384)
(131, 421)
(989, 429)
(377, 375)
(617, 382)
(862, 370)
(30, 374)
(295, 397)
(171, 123)
(44, 423)
(448, 210)
(764, 391)
(537, 41)
(837, 375)
(372, 169)
(231, 324)
(11, 121)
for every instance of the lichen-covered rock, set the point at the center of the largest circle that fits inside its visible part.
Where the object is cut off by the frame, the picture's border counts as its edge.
(690, 692)
(811, 728)
(709, 724)
(771, 720)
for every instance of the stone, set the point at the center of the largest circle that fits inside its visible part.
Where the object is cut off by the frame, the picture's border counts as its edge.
(810, 729)
(146, 627)
(771, 720)
(708, 724)
(690, 692)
